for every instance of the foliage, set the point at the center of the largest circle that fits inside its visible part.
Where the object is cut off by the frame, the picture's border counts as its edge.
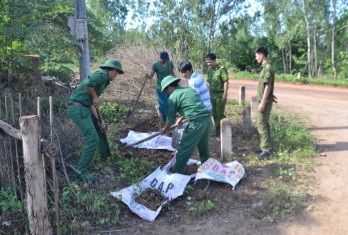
(200, 207)
(134, 170)
(62, 73)
(8, 201)
(90, 208)
(292, 142)
(111, 112)
(329, 81)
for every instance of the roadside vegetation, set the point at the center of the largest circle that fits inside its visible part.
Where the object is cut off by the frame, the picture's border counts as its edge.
(327, 81)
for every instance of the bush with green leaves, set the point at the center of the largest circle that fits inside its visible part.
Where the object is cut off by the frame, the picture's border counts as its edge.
(291, 140)
(111, 112)
(90, 208)
(8, 201)
(62, 73)
(134, 170)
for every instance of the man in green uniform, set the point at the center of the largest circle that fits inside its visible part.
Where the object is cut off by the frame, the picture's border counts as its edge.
(218, 87)
(82, 110)
(164, 67)
(186, 102)
(265, 99)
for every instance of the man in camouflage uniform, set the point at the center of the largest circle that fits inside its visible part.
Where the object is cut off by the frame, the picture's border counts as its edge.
(82, 105)
(218, 87)
(265, 99)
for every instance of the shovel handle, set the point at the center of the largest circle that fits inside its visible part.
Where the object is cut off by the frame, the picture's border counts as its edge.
(130, 110)
(103, 132)
(150, 137)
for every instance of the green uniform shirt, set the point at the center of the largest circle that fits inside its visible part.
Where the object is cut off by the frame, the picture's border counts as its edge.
(162, 71)
(266, 76)
(216, 78)
(187, 103)
(98, 80)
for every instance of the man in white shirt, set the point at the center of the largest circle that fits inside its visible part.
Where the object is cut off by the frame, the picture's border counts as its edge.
(197, 82)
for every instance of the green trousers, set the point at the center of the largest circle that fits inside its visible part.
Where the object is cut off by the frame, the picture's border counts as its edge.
(196, 134)
(88, 126)
(218, 110)
(263, 127)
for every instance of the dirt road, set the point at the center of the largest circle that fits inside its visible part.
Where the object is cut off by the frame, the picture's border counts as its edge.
(327, 112)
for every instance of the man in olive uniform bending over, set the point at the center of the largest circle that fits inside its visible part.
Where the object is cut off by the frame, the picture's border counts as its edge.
(218, 87)
(186, 102)
(265, 99)
(82, 110)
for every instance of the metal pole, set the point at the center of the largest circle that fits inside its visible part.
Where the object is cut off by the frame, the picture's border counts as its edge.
(82, 37)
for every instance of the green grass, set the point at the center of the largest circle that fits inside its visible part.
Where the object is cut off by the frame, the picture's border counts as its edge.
(289, 167)
(328, 81)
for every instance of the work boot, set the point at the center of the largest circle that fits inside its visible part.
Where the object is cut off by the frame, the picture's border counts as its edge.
(258, 151)
(263, 155)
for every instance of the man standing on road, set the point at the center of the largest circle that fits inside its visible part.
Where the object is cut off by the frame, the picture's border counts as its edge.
(218, 86)
(82, 110)
(196, 82)
(164, 67)
(265, 99)
(186, 102)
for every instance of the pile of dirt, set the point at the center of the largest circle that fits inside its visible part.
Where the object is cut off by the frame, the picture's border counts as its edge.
(191, 169)
(151, 198)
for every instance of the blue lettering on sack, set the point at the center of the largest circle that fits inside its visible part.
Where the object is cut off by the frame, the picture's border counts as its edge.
(154, 183)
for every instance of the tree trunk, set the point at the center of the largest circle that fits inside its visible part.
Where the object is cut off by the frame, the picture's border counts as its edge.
(290, 58)
(34, 176)
(284, 63)
(315, 54)
(333, 38)
(309, 61)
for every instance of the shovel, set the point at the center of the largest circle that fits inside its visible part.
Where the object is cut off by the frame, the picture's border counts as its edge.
(132, 150)
(129, 112)
(103, 133)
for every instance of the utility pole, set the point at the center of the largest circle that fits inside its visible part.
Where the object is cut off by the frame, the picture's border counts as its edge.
(82, 37)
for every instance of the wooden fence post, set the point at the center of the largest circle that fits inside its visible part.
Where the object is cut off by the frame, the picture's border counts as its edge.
(34, 176)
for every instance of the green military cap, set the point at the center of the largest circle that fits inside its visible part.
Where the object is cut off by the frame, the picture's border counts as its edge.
(114, 64)
(167, 81)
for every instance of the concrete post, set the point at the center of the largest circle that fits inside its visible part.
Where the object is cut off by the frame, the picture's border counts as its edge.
(247, 120)
(254, 108)
(82, 37)
(226, 138)
(241, 95)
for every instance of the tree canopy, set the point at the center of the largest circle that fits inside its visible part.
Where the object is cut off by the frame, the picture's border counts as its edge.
(308, 36)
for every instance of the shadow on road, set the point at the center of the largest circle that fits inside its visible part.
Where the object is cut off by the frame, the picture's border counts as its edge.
(338, 146)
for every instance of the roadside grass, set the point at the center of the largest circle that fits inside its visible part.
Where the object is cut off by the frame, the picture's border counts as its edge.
(328, 81)
(287, 171)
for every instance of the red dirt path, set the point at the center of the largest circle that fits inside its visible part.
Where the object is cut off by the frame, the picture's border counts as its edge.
(327, 112)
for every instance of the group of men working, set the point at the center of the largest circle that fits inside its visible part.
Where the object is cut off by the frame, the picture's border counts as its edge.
(195, 103)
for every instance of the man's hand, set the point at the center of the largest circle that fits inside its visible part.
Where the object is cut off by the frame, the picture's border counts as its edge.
(224, 98)
(96, 101)
(165, 129)
(275, 99)
(179, 121)
(261, 107)
(102, 124)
